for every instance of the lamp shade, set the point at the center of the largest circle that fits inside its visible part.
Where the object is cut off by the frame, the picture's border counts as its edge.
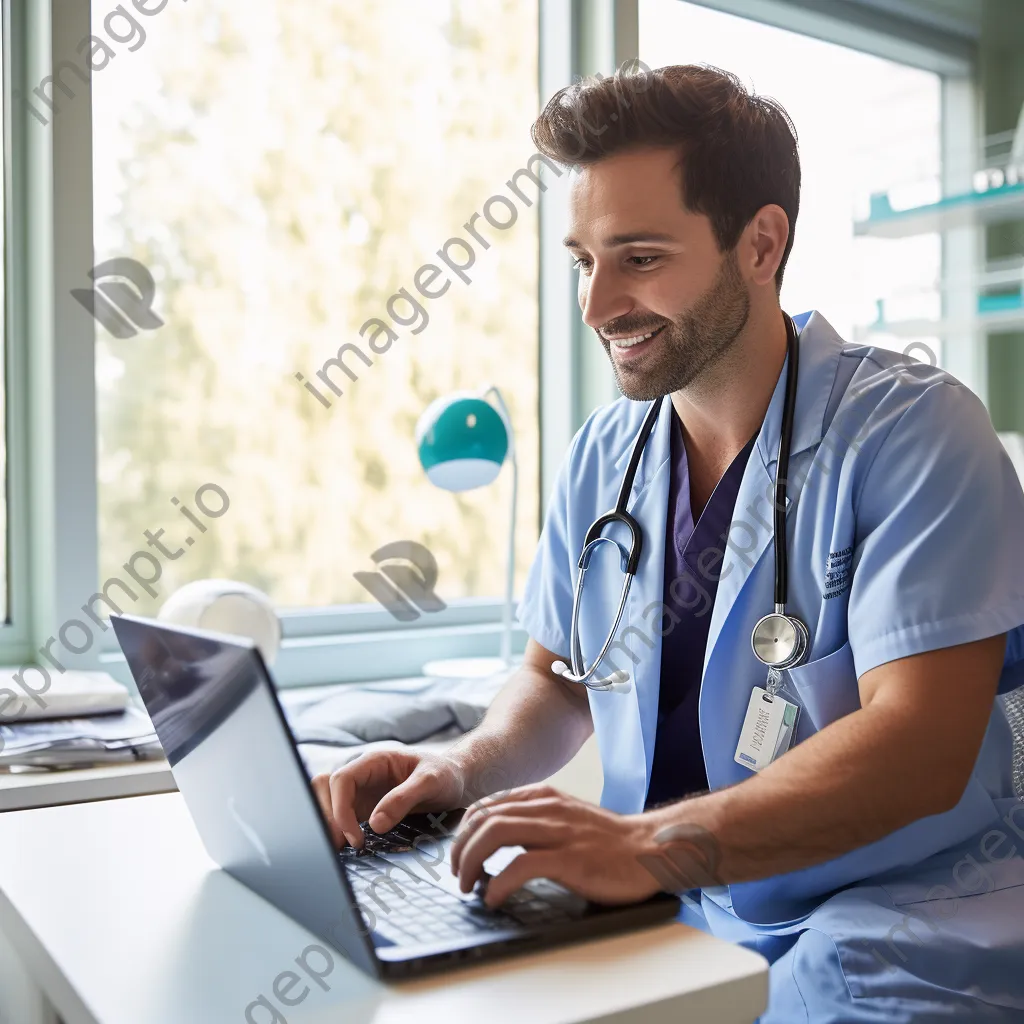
(462, 441)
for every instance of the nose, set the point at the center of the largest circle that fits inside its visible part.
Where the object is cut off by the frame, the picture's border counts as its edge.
(603, 297)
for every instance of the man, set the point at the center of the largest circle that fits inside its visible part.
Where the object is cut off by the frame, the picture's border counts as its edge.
(875, 861)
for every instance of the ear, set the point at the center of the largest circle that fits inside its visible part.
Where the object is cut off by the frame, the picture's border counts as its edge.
(762, 244)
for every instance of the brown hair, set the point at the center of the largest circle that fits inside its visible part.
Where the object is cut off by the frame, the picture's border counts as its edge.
(740, 149)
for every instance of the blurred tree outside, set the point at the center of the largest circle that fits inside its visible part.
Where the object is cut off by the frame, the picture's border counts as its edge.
(283, 167)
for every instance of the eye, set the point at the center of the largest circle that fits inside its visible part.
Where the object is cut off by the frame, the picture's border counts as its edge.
(579, 263)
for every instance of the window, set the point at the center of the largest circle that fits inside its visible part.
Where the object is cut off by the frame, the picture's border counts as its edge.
(864, 124)
(282, 169)
(278, 173)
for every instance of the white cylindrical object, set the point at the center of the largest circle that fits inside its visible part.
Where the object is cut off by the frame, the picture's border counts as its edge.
(226, 606)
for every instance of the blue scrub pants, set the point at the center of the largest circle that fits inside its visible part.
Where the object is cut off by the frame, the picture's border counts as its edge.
(942, 941)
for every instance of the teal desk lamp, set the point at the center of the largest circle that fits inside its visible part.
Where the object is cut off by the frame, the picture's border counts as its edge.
(462, 441)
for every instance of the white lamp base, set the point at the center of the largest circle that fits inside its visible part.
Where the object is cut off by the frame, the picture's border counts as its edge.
(464, 668)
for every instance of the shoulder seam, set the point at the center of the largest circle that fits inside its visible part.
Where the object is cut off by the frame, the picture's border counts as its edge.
(856, 500)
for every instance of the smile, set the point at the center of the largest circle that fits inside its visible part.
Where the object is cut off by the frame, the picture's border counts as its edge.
(638, 339)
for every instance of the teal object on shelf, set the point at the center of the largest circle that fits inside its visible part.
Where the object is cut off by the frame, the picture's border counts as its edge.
(462, 441)
(880, 207)
(1000, 302)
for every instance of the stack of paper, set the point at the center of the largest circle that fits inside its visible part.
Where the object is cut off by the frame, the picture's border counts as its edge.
(24, 694)
(74, 742)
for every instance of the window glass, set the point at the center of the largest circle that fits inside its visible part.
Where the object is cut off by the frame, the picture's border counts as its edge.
(283, 169)
(864, 125)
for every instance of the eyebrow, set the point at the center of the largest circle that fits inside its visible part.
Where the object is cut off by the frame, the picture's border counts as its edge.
(613, 240)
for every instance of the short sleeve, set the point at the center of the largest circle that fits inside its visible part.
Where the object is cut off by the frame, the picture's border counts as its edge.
(545, 609)
(939, 552)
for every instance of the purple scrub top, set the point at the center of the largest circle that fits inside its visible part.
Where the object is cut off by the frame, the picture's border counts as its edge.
(678, 766)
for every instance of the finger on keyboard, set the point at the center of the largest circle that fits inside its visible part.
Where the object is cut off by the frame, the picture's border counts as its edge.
(383, 842)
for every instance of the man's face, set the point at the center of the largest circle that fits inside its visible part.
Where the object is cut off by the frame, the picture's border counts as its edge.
(646, 264)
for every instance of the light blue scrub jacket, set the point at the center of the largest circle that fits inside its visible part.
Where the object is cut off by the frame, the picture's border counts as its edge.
(905, 523)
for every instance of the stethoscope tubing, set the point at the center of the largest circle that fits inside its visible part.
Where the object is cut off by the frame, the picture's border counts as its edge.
(782, 470)
(580, 673)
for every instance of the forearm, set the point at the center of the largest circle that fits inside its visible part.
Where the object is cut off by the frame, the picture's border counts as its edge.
(863, 777)
(532, 728)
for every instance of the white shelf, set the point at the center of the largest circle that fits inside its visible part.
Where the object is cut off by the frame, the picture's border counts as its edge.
(968, 209)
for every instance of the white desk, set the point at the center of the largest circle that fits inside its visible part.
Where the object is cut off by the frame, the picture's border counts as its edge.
(121, 918)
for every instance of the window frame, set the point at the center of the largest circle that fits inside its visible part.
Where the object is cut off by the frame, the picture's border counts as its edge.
(13, 629)
(19, 29)
(878, 27)
(52, 419)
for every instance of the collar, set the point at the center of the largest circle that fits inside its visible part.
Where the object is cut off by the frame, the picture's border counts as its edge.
(820, 348)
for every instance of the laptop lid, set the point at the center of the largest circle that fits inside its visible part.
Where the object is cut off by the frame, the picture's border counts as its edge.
(234, 761)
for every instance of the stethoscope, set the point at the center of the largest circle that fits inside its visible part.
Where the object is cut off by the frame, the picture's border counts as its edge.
(779, 640)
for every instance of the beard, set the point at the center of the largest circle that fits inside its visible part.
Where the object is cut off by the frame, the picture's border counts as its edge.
(692, 342)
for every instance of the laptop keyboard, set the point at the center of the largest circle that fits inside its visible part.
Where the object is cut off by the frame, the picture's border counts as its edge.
(408, 909)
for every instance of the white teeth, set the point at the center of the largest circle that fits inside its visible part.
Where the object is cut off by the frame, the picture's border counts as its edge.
(630, 342)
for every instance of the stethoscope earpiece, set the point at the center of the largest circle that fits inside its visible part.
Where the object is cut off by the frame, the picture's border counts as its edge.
(617, 682)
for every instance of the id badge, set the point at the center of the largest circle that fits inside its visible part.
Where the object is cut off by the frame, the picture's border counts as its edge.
(768, 729)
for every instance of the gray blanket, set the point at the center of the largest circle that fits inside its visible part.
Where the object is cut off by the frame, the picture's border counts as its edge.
(410, 711)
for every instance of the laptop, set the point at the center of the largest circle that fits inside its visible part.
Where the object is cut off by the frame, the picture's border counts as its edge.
(393, 909)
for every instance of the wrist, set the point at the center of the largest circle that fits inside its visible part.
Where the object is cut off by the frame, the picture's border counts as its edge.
(680, 853)
(476, 770)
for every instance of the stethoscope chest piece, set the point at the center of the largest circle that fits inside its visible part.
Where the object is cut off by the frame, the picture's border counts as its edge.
(779, 640)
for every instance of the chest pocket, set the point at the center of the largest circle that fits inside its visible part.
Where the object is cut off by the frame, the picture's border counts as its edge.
(826, 687)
